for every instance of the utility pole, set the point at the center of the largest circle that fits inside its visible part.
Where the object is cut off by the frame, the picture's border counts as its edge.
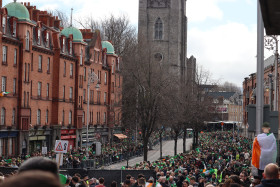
(260, 71)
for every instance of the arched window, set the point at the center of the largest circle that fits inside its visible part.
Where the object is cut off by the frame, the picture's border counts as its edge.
(158, 29)
(47, 117)
(4, 25)
(63, 117)
(14, 116)
(81, 58)
(3, 116)
(83, 119)
(27, 40)
(38, 117)
(70, 117)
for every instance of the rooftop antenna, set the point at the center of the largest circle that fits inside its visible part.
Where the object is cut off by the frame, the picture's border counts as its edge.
(71, 16)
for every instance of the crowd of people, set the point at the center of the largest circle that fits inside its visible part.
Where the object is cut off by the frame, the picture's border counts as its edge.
(220, 159)
(111, 153)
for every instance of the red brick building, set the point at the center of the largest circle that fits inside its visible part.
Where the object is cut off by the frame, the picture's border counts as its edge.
(45, 68)
(250, 84)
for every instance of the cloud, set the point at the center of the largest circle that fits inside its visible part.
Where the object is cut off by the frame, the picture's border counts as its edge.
(99, 9)
(200, 10)
(228, 51)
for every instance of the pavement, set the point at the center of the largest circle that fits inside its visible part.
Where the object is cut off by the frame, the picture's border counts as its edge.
(167, 149)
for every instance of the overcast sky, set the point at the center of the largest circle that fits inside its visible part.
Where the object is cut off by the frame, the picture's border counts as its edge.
(221, 33)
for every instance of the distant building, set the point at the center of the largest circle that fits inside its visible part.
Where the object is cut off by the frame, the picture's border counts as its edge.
(221, 103)
(45, 68)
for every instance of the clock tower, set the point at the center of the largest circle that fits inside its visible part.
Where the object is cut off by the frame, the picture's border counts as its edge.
(163, 23)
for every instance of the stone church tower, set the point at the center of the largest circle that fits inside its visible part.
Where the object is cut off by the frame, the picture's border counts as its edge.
(164, 24)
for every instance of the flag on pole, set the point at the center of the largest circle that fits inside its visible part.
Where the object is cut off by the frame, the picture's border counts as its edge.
(3, 94)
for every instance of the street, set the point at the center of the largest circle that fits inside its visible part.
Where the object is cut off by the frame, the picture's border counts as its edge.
(167, 149)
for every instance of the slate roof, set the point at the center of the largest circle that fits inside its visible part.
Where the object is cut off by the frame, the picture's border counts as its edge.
(269, 61)
(225, 95)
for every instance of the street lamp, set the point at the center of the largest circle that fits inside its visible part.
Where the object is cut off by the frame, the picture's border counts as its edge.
(271, 43)
(91, 78)
(270, 91)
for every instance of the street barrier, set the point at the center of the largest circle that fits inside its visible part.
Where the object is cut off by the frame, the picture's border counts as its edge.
(99, 161)
(109, 175)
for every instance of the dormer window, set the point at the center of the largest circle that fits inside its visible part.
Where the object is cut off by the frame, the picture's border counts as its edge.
(47, 39)
(63, 45)
(81, 58)
(70, 48)
(4, 25)
(39, 36)
(14, 29)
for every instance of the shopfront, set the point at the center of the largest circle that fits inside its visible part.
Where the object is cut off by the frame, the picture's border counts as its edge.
(8, 143)
(39, 139)
(70, 136)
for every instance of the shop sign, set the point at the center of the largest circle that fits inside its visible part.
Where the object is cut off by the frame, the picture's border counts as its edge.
(72, 131)
(64, 131)
(65, 137)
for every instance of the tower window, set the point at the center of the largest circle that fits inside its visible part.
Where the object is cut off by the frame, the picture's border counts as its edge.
(158, 29)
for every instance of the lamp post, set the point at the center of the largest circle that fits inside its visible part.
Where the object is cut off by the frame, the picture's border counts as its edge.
(91, 78)
(271, 43)
(270, 91)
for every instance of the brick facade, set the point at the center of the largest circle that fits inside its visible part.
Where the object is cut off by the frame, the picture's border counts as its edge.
(46, 74)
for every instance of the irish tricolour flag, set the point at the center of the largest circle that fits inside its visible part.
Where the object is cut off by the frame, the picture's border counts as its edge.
(3, 93)
(264, 150)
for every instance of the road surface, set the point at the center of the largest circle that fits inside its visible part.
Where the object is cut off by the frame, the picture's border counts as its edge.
(167, 149)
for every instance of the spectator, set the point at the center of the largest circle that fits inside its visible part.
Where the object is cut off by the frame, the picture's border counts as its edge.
(101, 182)
(93, 182)
(256, 181)
(185, 183)
(67, 183)
(39, 163)
(75, 181)
(193, 182)
(114, 184)
(270, 176)
(32, 179)
(126, 183)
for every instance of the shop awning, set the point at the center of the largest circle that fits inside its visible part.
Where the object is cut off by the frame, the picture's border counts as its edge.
(120, 136)
(271, 17)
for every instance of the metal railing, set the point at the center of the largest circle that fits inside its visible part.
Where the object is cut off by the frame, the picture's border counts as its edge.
(104, 160)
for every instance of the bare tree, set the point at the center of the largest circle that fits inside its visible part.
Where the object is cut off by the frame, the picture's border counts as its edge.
(230, 87)
(195, 104)
(118, 30)
(145, 92)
